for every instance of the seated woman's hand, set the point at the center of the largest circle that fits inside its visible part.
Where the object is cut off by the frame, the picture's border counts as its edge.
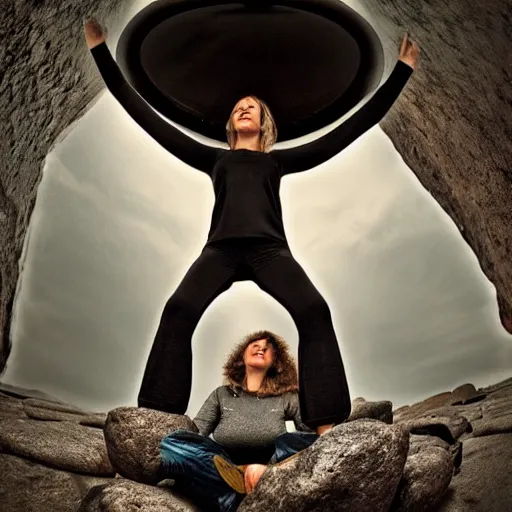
(252, 475)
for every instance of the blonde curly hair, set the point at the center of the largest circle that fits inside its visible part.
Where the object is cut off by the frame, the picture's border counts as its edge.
(268, 132)
(280, 378)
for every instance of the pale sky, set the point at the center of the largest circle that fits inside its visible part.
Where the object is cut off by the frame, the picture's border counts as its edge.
(118, 221)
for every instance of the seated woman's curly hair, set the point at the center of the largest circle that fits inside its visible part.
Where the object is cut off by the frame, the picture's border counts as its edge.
(280, 378)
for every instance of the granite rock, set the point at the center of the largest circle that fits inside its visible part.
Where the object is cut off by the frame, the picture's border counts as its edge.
(47, 83)
(63, 445)
(376, 410)
(427, 475)
(451, 124)
(125, 495)
(133, 437)
(355, 466)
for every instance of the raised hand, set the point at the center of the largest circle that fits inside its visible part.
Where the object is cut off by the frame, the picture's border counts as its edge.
(409, 51)
(94, 34)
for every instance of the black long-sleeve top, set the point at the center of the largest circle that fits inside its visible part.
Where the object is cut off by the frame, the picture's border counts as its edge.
(246, 183)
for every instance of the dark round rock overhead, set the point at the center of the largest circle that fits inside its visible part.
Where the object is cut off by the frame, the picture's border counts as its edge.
(192, 60)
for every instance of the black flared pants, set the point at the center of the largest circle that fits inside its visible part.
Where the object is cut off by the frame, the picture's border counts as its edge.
(323, 390)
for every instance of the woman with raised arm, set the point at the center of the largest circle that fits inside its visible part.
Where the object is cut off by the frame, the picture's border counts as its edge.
(247, 240)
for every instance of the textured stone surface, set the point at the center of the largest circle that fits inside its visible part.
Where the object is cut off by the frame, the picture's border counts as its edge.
(63, 445)
(418, 443)
(375, 410)
(421, 442)
(11, 407)
(484, 483)
(43, 413)
(125, 495)
(420, 408)
(452, 123)
(466, 394)
(504, 384)
(133, 437)
(446, 424)
(470, 412)
(29, 487)
(346, 467)
(426, 477)
(495, 414)
(53, 406)
(493, 425)
(19, 392)
(355, 466)
(94, 420)
(46, 82)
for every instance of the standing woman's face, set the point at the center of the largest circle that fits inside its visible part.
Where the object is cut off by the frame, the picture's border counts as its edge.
(259, 354)
(246, 116)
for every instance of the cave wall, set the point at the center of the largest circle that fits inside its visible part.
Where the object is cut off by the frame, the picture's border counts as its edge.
(453, 122)
(47, 81)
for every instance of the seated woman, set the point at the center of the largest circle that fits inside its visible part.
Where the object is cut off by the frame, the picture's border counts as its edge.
(247, 420)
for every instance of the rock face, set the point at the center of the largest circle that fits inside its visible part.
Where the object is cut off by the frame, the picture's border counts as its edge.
(377, 410)
(481, 449)
(46, 82)
(452, 123)
(485, 482)
(426, 477)
(50, 490)
(133, 438)
(430, 457)
(59, 444)
(355, 466)
(126, 495)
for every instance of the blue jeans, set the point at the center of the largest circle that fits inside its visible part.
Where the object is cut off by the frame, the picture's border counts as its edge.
(187, 458)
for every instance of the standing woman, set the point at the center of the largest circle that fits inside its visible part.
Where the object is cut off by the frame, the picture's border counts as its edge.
(247, 239)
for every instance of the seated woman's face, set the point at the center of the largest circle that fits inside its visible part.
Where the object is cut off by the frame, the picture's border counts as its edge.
(259, 354)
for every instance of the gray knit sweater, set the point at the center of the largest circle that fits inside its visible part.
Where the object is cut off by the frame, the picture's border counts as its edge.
(246, 425)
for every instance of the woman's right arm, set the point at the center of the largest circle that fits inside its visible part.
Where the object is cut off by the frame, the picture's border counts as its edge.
(208, 416)
(193, 153)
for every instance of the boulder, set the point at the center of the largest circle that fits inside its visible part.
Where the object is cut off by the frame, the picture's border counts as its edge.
(26, 486)
(375, 410)
(444, 423)
(355, 466)
(427, 475)
(124, 495)
(133, 436)
(63, 445)
(451, 125)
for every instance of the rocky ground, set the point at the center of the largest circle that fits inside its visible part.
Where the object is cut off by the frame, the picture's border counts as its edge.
(450, 453)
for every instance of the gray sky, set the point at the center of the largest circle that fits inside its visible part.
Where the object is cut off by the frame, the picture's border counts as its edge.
(118, 221)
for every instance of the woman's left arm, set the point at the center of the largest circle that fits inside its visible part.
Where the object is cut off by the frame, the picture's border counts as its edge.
(310, 155)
